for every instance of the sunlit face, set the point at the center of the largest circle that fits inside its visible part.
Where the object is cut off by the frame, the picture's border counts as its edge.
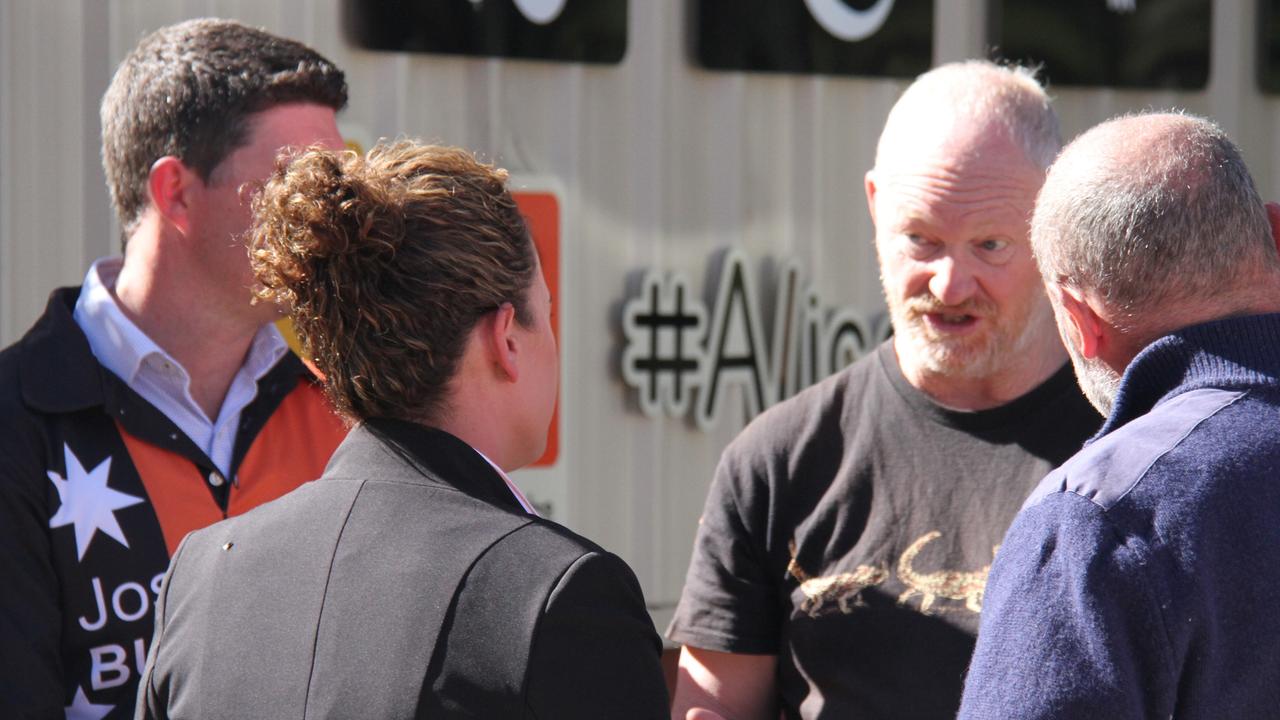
(223, 214)
(959, 277)
(539, 371)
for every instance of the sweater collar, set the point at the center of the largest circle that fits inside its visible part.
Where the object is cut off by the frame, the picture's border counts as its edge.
(1228, 353)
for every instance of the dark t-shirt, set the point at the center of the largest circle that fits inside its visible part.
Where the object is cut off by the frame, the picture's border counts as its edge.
(850, 529)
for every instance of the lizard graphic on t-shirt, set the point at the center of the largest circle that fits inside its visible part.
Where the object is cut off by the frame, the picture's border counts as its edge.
(842, 589)
(950, 584)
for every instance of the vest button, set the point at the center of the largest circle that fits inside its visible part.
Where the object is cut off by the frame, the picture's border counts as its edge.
(216, 479)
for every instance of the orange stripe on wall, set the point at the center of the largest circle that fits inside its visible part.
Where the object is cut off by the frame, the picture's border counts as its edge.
(541, 212)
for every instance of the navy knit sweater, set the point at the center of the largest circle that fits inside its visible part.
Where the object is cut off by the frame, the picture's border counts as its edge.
(1142, 578)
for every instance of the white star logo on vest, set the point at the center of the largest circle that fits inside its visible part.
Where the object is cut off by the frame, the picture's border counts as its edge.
(81, 709)
(87, 502)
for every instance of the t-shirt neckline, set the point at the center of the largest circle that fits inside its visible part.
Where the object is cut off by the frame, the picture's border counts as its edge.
(1062, 381)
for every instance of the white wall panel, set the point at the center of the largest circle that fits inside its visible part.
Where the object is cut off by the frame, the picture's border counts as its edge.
(48, 160)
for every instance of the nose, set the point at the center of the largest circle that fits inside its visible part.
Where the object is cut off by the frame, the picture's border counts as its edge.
(952, 283)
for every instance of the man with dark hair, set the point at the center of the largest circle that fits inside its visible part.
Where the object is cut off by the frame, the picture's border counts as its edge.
(1140, 578)
(158, 397)
(412, 579)
(839, 566)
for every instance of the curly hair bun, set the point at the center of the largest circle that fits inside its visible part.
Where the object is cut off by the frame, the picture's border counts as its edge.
(388, 261)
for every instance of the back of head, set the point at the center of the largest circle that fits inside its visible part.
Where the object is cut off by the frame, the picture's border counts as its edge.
(388, 262)
(187, 91)
(973, 96)
(1154, 214)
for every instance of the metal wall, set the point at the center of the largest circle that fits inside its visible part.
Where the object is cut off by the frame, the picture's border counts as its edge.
(658, 164)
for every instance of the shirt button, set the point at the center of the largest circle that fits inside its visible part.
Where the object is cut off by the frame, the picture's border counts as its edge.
(216, 479)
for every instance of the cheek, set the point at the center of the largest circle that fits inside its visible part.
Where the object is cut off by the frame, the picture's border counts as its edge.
(227, 212)
(905, 278)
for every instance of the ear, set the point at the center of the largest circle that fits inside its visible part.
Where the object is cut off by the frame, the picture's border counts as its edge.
(502, 342)
(1273, 218)
(1087, 330)
(171, 186)
(869, 181)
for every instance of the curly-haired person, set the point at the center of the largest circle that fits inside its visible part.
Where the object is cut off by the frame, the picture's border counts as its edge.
(412, 579)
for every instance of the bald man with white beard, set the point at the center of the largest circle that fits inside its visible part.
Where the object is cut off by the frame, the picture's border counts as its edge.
(840, 562)
(1139, 581)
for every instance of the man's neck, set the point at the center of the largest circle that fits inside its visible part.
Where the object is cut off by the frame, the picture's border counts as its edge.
(983, 393)
(174, 312)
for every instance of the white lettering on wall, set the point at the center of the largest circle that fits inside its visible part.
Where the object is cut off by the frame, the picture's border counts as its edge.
(668, 356)
(735, 351)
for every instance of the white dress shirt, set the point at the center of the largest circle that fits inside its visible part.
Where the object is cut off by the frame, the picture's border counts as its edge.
(124, 349)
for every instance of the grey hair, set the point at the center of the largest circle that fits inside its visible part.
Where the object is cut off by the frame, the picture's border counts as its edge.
(1141, 223)
(1008, 95)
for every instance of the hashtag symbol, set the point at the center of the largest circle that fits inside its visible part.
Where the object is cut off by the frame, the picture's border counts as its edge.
(663, 359)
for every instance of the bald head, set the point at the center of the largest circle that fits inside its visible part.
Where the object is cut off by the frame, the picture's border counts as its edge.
(959, 106)
(962, 156)
(1155, 215)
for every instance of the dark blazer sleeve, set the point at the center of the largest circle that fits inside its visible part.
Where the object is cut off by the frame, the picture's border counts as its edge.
(31, 672)
(595, 652)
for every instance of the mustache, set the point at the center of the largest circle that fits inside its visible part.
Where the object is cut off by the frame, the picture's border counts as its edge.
(925, 304)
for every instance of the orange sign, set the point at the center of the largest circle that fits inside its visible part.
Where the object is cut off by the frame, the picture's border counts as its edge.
(542, 213)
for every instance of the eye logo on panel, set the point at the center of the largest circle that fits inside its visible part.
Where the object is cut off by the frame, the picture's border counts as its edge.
(848, 24)
(544, 11)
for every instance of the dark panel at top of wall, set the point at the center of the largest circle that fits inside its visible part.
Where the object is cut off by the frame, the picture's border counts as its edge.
(589, 31)
(892, 38)
(1112, 43)
(1269, 46)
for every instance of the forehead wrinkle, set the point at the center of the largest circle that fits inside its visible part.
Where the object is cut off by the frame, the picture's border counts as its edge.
(982, 200)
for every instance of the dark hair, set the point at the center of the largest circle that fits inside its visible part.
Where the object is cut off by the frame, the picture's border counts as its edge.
(187, 90)
(388, 261)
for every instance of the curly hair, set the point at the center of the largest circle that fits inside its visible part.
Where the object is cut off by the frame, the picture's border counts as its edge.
(388, 261)
(187, 90)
